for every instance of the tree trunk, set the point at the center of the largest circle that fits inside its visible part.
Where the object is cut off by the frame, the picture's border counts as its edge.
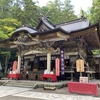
(6, 64)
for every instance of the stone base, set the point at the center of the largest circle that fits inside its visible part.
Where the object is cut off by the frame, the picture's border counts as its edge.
(49, 88)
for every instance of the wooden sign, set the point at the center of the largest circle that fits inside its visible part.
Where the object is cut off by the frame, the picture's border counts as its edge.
(80, 65)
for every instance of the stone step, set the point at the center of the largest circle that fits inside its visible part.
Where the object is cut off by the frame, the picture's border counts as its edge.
(30, 83)
(24, 86)
(21, 84)
(21, 81)
(49, 88)
(35, 84)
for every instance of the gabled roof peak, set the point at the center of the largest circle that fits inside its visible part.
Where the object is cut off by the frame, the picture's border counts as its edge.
(45, 17)
(44, 20)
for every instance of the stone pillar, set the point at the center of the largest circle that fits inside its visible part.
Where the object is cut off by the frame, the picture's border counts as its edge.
(49, 61)
(19, 64)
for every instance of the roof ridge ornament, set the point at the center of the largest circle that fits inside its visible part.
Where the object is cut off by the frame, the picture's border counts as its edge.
(83, 18)
(23, 25)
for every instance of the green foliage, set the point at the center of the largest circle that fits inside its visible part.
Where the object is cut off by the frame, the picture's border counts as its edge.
(68, 11)
(7, 27)
(96, 52)
(13, 54)
(95, 12)
(3, 36)
(28, 13)
(5, 53)
(58, 11)
(25, 11)
(5, 6)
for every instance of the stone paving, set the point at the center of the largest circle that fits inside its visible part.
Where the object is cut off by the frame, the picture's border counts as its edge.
(51, 96)
(6, 91)
(18, 98)
(17, 93)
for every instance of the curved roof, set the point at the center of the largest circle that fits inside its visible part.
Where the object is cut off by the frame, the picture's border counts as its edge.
(27, 29)
(74, 25)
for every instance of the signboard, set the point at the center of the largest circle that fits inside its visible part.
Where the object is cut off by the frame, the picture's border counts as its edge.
(80, 65)
(45, 58)
(84, 79)
(22, 65)
(62, 61)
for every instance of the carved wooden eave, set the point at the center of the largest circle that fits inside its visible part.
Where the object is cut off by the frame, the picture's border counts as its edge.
(91, 35)
(53, 36)
(6, 43)
(72, 44)
(33, 52)
(21, 36)
(24, 39)
(71, 53)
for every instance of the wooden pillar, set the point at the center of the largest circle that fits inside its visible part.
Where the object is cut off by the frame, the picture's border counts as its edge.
(49, 61)
(19, 64)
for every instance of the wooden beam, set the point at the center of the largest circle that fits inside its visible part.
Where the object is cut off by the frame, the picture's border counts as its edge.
(62, 35)
(82, 33)
(97, 37)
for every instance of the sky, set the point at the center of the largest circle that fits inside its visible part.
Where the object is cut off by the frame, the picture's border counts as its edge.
(78, 4)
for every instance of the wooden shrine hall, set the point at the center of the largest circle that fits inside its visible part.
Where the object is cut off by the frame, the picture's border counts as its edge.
(38, 48)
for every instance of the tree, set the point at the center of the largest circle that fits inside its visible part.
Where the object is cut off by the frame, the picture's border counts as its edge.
(95, 12)
(25, 11)
(5, 56)
(58, 11)
(7, 27)
(68, 12)
(42, 11)
(55, 12)
(16, 9)
(5, 6)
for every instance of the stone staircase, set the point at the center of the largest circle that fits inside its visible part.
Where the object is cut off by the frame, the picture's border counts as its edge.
(33, 84)
(20, 83)
(38, 84)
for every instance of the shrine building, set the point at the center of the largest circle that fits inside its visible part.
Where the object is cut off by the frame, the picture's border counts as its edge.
(39, 48)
